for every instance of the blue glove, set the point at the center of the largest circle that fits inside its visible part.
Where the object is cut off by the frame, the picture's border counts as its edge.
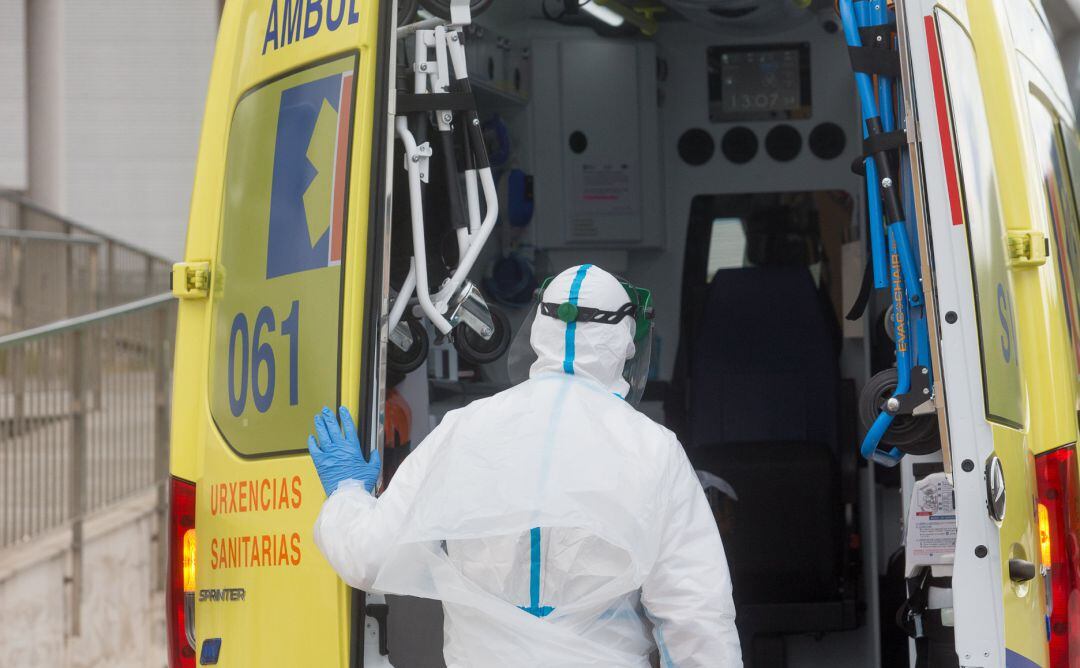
(337, 453)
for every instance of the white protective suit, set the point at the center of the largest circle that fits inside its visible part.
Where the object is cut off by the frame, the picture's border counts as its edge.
(558, 525)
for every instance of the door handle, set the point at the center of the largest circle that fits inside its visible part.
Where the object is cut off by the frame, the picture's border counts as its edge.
(190, 280)
(1021, 570)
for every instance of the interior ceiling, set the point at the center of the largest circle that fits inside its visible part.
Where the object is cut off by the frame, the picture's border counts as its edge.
(758, 14)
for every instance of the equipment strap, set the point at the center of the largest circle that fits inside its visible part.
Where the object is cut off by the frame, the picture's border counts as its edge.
(880, 142)
(925, 626)
(865, 290)
(875, 60)
(884, 141)
(938, 641)
(877, 37)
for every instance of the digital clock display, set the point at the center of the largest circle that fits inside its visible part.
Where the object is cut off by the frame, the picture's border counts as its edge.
(759, 82)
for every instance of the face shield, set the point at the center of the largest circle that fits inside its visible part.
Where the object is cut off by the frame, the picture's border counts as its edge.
(638, 307)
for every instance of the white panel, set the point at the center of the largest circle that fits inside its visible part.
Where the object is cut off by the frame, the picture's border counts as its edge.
(603, 182)
(608, 194)
(135, 85)
(13, 167)
(977, 584)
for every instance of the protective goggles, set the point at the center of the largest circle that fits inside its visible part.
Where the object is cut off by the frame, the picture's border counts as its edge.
(639, 308)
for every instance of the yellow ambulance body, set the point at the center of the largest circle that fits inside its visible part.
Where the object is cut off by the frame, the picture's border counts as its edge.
(278, 318)
(277, 336)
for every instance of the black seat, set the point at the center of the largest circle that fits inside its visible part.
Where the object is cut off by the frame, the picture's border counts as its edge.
(785, 547)
(763, 394)
(764, 365)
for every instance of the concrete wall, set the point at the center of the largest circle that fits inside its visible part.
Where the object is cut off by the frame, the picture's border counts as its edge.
(122, 614)
(114, 101)
(13, 96)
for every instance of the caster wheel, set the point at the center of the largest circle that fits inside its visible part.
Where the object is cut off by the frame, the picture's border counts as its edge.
(911, 434)
(890, 324)
(406, 361)
(475, 349)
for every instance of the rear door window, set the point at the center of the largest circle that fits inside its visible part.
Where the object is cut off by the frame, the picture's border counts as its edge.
(1002, 393)
(1060, 157)
(277, 283)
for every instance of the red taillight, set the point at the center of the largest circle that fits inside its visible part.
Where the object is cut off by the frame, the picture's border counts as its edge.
(181, 591)
(1059, 536)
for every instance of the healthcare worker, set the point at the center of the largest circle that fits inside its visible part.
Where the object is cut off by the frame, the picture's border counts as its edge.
(557, 524)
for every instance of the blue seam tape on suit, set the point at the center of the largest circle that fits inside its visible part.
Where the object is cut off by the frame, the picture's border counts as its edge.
(664, 654)
(534, 572)
(571, 327)
(534, 607)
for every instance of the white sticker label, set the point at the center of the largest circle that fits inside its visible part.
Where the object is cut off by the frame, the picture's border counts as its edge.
(931, 530)
(606, 188)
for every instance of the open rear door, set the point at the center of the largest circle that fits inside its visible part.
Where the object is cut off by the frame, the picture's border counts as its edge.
(289, 214)
(969, 288)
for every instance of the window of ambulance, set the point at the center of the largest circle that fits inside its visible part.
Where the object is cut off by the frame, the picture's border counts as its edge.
(998, 348)
(1059, 153)
(278, 281)
(727, 246)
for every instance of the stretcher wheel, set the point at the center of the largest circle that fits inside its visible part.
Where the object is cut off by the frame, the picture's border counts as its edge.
(911, 434)
(890, 323)
(406, 361)
(474, 349)
(441, 8)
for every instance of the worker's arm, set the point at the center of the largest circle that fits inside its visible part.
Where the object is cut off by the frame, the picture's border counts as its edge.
(688, 592)
(354, 528)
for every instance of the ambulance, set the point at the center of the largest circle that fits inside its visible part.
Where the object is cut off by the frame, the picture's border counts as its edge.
(860, 224)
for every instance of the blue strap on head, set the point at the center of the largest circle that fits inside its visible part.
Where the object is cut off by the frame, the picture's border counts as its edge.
(571, 327)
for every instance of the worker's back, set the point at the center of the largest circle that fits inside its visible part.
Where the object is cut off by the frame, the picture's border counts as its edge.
(541, 531)
(535, 516)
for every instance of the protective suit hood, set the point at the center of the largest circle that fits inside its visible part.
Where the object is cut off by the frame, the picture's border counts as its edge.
(592, 350)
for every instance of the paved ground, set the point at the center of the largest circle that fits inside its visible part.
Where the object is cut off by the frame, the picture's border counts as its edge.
(122, 607)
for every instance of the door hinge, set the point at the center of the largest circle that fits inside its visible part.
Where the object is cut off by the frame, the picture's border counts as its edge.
(1027, 248)
(190, 280)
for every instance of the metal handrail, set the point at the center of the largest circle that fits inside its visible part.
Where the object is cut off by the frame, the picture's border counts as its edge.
(23, 201)
(86, 334)
(60, 237)
(79, 322)
(84, 422)
(53, 268)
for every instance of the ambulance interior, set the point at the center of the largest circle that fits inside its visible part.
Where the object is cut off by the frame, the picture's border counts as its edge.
(702, 150)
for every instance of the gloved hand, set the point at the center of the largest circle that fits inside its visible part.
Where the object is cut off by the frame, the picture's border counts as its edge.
(337, 455)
